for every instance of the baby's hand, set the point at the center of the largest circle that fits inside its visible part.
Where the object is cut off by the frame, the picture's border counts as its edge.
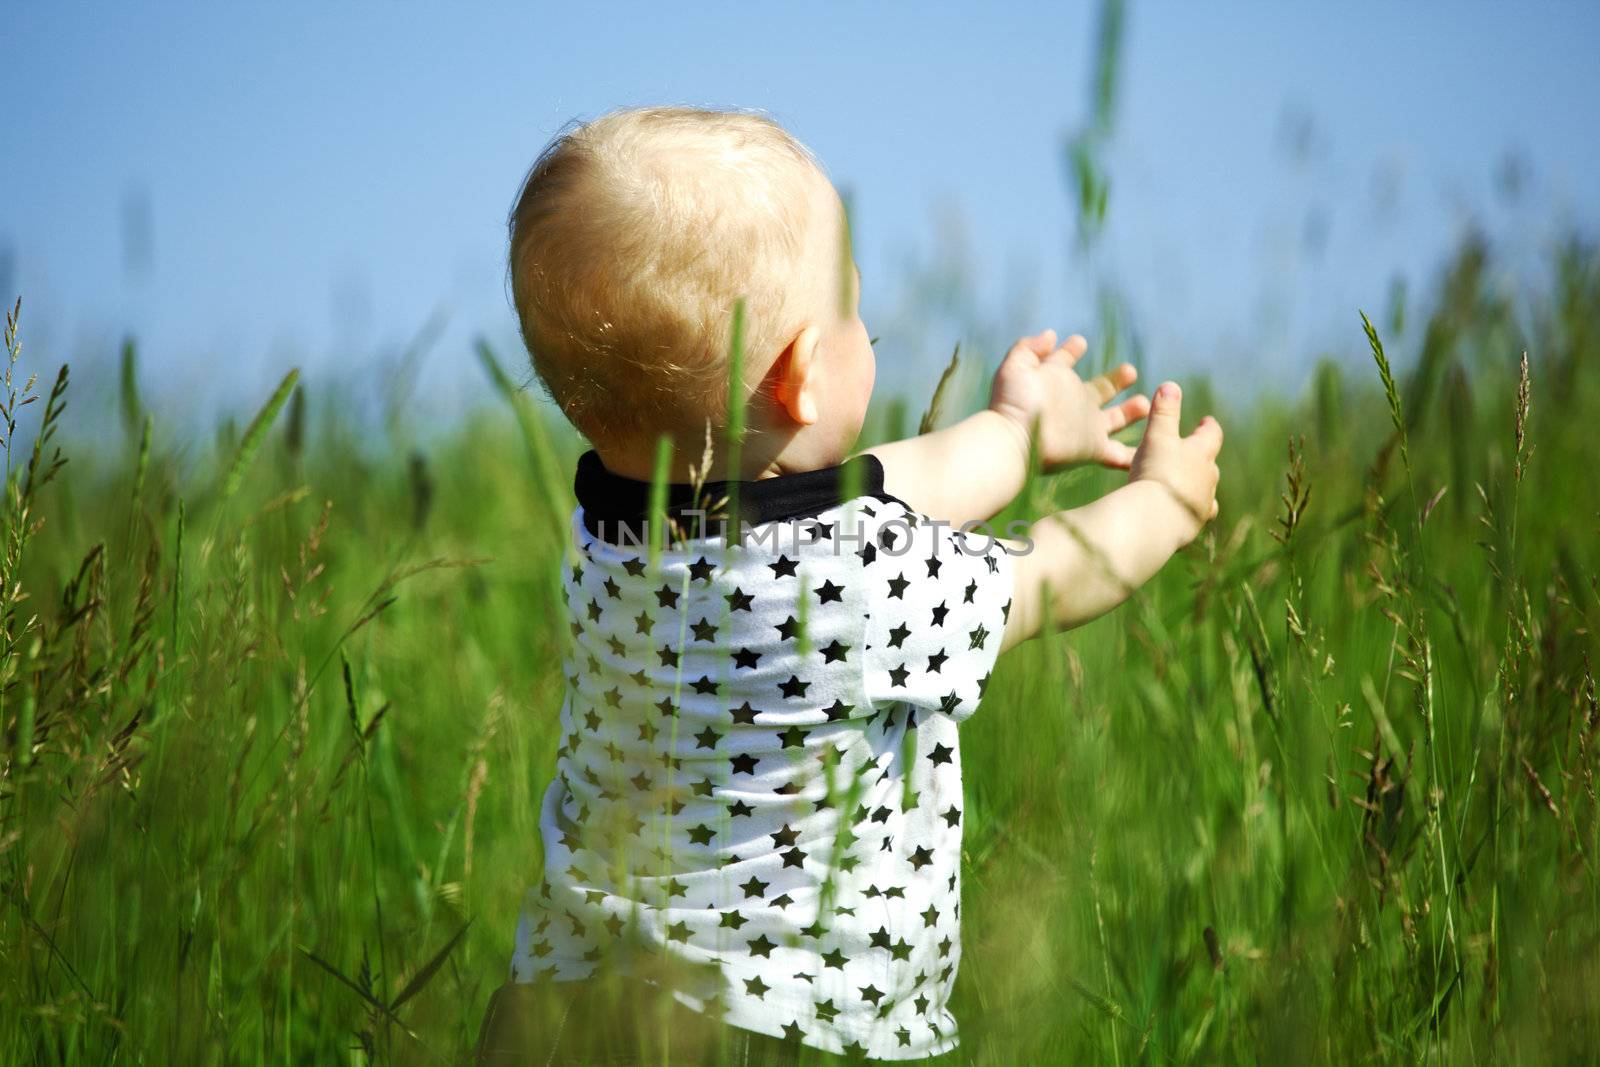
(1038, 390)
(1185, 466)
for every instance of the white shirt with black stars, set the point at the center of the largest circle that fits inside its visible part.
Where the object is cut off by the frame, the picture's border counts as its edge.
(760, 770)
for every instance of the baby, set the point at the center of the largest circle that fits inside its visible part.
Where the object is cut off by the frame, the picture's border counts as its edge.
(760, 773)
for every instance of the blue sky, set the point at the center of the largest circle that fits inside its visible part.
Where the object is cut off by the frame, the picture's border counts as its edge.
(309, 184)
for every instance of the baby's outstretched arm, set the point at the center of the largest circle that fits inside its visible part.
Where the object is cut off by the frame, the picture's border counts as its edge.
(1086, 561)
(970, 471)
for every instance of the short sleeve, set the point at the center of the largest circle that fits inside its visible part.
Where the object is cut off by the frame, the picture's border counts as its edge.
(938, 601)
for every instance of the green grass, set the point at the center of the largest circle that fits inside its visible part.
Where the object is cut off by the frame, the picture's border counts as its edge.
(276, 723)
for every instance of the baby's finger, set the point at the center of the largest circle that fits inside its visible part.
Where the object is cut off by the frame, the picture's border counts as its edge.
(1209, 433)
(1071, 350)
(1042, 343)
(1107, 385)
(1033, 349)
(1127, 413)
(1116, 455)
(1216, 509)
(1165, 410)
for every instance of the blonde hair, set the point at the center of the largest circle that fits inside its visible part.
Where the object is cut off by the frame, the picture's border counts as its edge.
(631, 240)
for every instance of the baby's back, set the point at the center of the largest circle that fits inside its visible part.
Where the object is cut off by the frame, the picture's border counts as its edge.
(759, 769)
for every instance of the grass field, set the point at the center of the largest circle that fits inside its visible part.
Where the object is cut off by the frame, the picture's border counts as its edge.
(277, 713)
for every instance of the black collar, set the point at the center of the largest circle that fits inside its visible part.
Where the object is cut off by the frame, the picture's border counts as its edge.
(615, 508)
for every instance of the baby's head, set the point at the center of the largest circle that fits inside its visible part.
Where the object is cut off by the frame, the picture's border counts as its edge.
(632, 239)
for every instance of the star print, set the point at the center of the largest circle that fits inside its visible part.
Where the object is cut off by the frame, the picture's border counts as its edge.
(794, 687)
(945, 946)
(854, 1048)
(838, 710)
(744, 713)
(577, 574)
(592, 753)
(833, 651)
(922, 1003)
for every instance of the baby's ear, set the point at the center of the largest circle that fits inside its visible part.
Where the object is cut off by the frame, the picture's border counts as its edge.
(794, 384)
